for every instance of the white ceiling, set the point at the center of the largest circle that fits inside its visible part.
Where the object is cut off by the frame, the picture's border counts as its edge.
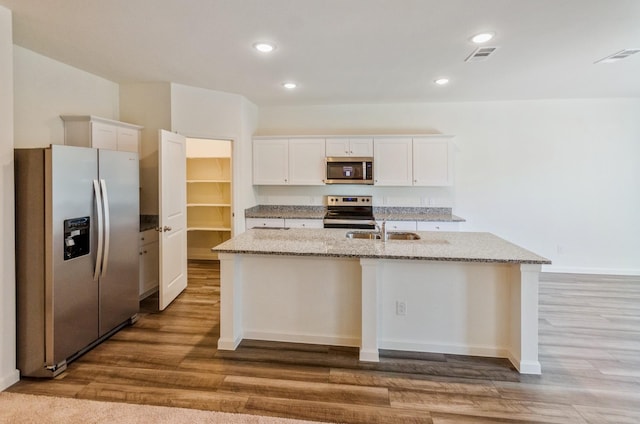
(345, 51)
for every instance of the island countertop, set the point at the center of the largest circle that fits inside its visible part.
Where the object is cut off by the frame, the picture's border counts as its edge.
(432, 246)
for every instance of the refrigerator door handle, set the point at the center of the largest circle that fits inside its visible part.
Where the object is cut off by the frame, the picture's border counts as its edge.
(107, 228)
(96, 190)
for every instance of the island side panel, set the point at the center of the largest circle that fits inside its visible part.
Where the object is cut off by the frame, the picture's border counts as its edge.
(450, 307)
(230, 301)
(302, 299)
(524, 323)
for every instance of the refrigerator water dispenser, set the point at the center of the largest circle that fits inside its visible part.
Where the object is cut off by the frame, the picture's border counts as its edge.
(76, 237)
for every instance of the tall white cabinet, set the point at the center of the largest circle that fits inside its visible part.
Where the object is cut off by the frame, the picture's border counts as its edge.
(209, 216)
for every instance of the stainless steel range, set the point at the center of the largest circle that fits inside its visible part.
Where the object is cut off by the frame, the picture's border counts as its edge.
(349, 212)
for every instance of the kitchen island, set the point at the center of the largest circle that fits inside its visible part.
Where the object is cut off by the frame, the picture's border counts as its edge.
(449, 292)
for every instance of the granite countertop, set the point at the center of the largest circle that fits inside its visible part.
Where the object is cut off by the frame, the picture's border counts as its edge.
(433, 246)
(415, 214)
(379, 212)
(148, 222)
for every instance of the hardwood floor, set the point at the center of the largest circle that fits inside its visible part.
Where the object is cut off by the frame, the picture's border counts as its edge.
(589, 350)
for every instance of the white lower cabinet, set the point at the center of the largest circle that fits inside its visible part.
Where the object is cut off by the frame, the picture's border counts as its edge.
(304, 223)
(438, 226)
(400, 225)
(149, 263)
(250, 223)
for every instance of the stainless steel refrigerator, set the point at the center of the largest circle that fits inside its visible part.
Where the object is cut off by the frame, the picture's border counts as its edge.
(77, 224)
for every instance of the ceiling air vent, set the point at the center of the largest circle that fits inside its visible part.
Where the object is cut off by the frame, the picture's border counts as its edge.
(622, 54)
(480, 54)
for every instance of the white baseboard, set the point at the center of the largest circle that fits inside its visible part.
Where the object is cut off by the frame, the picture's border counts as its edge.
(594, 271)
(489, 351)
(228, 344)
(9, 380)
(302, 338)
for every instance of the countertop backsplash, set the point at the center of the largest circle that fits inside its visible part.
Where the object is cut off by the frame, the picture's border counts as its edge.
(392, 213)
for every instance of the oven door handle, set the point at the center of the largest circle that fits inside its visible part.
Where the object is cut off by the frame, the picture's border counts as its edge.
(350, 221)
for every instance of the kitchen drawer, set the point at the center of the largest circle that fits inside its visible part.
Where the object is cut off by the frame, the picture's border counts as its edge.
(148, 236)
(264, 222)
(303, 223)
(438, 226)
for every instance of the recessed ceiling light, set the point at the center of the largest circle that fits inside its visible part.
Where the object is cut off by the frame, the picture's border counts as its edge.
(264, 47)
(289, 85)
(482, 38)
(442, 81)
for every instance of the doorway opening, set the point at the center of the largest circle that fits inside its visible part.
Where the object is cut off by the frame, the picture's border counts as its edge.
(209, 196)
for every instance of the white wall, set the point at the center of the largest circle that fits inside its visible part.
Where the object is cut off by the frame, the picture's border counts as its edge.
(46, 89)
(202, 113)
(149, 105)
(8, 372)
(559, 177)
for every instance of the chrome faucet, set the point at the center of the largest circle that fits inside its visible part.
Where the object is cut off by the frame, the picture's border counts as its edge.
(382, 229)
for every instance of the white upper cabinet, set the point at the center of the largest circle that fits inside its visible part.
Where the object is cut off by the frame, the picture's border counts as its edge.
(306, 161)
(289, 161)
(413, 161)
(432, 161)
(342, 146)
(271, 161)
(399, 160)
(392, 161)
(103, 136)
(128, 139)
(101, 133)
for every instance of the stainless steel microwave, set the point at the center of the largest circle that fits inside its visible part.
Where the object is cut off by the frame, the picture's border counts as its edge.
(349, 170)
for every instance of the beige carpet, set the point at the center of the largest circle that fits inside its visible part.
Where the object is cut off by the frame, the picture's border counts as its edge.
(19, 408)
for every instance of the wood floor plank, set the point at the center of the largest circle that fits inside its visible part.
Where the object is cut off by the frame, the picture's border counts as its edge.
(151, 395)
(259, 369)
(489, 407)
(600, 415)
(414, 382)
(147, 377)
(305, 390)
(335, 413)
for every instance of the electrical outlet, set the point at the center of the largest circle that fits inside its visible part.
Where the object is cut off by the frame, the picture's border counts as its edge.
(401, 307)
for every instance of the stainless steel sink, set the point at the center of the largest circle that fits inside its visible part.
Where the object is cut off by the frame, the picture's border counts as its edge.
(367, 235)
(402, 236)
(363, 235)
